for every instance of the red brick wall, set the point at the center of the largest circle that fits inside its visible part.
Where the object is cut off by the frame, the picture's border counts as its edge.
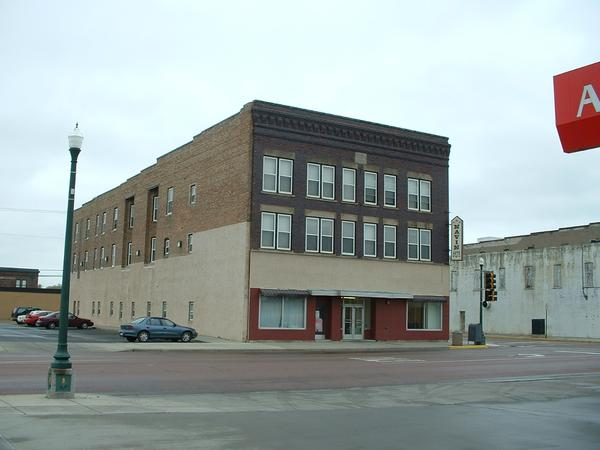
(389, 322)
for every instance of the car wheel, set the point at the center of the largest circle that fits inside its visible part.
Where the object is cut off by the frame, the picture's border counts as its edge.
(186, 336)
(83, 325)
(143, 336)
(130, 339)
(51, 325)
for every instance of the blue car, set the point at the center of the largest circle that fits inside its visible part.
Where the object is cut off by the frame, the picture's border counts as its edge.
(146, 328)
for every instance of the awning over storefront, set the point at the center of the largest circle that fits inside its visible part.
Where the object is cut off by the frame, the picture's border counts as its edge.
(284, 293)
(365, 294)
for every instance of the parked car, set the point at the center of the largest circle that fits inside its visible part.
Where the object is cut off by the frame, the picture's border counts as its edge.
(33, 316)
(146, 328)
(52, 321)
(22, 311)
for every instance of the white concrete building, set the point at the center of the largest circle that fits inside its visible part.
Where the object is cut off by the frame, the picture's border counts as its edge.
(545, 279)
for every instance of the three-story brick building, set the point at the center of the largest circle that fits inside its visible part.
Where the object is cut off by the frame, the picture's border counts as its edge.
(277, 223)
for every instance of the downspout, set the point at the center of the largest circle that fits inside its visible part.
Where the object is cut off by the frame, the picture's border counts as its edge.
(250, 225)
(583, 276)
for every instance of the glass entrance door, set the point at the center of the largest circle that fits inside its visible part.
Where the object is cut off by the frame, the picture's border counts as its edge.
(353, 319)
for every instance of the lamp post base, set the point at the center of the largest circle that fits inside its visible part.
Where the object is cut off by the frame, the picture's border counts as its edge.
(60, 383)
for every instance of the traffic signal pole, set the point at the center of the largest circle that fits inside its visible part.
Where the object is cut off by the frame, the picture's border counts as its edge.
(481, 288)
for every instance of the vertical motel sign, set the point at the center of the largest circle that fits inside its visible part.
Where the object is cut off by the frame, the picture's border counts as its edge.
(577, 108)
(456, 239)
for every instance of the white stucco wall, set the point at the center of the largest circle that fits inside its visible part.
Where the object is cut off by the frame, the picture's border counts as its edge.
(569, 312)
(214, 276)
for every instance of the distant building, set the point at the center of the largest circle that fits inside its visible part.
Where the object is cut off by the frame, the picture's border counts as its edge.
(547, 282)
(11, 277)
(276, 223)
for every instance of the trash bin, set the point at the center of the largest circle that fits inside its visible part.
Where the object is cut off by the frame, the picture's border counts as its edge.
(457, 338)
(476, 334)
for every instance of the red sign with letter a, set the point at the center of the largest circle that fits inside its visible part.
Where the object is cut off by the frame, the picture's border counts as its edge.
(577, 108)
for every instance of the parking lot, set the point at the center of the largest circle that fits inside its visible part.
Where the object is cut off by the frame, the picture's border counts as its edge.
(11, 332)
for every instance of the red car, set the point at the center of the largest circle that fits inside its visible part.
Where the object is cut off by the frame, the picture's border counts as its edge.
(51, 321)
(32, 317)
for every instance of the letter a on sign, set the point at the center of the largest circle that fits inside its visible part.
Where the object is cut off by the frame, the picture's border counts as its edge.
(577, 108)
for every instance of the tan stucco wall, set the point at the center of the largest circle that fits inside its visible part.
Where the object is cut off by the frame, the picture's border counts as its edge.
(10, 299)
(214, 276)
(302, 271)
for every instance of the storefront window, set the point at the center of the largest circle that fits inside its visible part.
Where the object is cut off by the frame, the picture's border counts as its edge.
(282, 312)
(424, 316)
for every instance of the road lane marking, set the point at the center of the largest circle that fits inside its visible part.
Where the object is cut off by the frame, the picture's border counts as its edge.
(530, 355)
(578, 352)
(388, 359)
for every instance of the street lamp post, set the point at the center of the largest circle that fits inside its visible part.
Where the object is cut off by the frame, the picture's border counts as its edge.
(481, 287)
(60, 373)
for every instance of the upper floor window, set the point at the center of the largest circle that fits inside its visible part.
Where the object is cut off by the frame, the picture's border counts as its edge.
(87, 228)
(190, 238)
(23, 283)
(154, 208)
(113, 255)
(131, 215)
(97, 224)
(167, 247)
(153, 249)
(370, 194)
(589, 274)
(320, 181)
(419, 244)
(115, 218)
(102, 257)
(389, 241)
(103, 222)
(370, 239)
(129, 249)
(76, 232)
(389, 188)
(501, 278)
(419, 195)
(348, 238)
(192, 194)
(319, 235)
(170, 195)
(348, 185)
(453, 280)
(557, 276)
(277, 175)
(529, 277)
(276, 231)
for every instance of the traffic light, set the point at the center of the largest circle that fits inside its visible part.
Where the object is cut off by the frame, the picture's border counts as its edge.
(490, 287)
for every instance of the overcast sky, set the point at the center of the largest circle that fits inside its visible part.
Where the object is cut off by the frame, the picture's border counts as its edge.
(144, 77)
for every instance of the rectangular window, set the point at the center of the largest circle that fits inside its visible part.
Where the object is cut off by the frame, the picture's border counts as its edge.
(348, 238)
(453, 280)
(313, 180)
(93, 308)
(529, 277)
(501, 278)
(557, 276)
(277, 175)
(99, 304)
(113, 255)
(189, 242)
(425, 195)
(76, 232)
(419, 195)
(370, 193)
(328, 182)
(154, 208)
(102, 256)
(326, 236)
(589, 274)
(284, 232)
(419, 244)
(167, 247)
(192, 194)
(267, 230)
(164, 309)
(111, 309)
(370, 239)
(282, 312)
(389, 241)
(115, 218)
(348, 185)
(97, 224)
(132, 310)
(87, 228)
(413, 194)
(85, 260)
(94, 259)
(170, 195)
(312, 234)
(148, 309)
(128, 253)
(389, 187)
(120, 310)
(152, 249)
(190, 311)
(131, 215)
(424, 315)
(103, 227)
(284, 180)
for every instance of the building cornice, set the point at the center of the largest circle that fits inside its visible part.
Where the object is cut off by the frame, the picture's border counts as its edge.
(268, 116)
